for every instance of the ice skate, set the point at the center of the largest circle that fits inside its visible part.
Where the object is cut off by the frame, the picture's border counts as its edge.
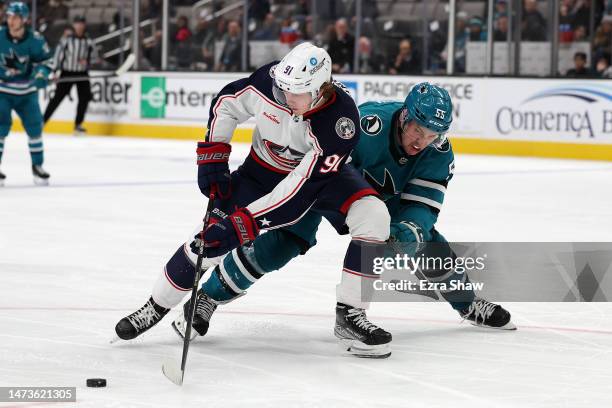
(482, 313)
(140, 321)
(205, 307)
(358, 335)
(41, 177)
(80, 131)
(2, 178)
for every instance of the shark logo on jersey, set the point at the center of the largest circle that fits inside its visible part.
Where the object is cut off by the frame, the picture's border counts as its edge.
(14, 61)
(284, 156)
(371, 125)
(345, 128)
(386, 188)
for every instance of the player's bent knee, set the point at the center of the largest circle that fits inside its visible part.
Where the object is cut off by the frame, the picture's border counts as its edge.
(368, 218)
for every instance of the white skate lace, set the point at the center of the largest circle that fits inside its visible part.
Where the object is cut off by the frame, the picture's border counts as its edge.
(144, 316)
(205, 308)
(359, 318)
(480, 309)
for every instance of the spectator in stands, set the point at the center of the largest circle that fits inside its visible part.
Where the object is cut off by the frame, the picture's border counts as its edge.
(289, 32)
(203, 42)
(341, 48)
(579, 34)
(501, 7)
(269, 29)
(182, 43)
(602, 40)
(603, 67)
(566, 33)
(475, 30)
(501, 29)
(534, 24)
(370, 62)
(580, 66)
(581, 13)
(461, 38)
(231, 54)
(407, 61)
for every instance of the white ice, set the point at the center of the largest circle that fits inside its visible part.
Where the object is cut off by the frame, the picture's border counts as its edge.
(77, 256)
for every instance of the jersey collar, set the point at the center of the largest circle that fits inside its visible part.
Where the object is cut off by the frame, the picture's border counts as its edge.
(26, 33)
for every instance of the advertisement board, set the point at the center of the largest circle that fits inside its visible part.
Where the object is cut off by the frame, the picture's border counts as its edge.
(542, 117)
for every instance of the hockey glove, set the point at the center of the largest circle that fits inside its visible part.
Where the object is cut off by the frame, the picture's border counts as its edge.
(406, 232)
(213, 167)
(40, 80)
(406, 237)
(237, 229)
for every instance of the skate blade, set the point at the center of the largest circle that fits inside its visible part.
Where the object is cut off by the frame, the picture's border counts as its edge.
(179, 327)
(361, 350)
(507, 326)
(1, 183)
(173, 372)
(41, 181)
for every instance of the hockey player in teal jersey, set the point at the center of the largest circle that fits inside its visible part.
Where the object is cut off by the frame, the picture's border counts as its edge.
(403, 152)
(25, 60)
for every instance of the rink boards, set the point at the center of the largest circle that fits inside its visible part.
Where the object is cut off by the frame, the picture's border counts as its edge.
(501, 116)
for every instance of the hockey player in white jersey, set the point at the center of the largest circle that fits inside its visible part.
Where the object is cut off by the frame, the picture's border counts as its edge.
(306, 128)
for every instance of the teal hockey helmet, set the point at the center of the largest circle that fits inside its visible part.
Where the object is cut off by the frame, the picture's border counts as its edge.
(430, 106)
(18, 8)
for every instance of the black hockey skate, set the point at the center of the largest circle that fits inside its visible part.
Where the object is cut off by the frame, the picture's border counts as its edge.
(41, 177)
(358, 335)
(482, 313)
(80, 130)
(2, 178)
(140, 321)
(205, 307)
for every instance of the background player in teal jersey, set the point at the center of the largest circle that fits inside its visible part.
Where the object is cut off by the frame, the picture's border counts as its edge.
(25, 60)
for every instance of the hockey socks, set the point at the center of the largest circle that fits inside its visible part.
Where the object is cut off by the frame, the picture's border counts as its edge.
(243, 266)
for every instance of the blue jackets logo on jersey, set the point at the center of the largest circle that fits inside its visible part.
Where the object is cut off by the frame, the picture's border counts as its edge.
(371, 125)
(345, 128)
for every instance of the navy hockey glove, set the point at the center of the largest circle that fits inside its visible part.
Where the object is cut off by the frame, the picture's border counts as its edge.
(238, 228)
(213, 167)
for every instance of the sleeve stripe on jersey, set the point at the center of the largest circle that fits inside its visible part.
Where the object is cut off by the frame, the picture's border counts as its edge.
(236, 95)
(429, 202)
(430, 184)
(316, 141)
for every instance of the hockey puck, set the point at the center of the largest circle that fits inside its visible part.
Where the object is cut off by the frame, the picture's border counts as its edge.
(96, 382)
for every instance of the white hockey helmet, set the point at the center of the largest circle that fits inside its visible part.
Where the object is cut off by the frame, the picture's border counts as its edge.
(304, 69)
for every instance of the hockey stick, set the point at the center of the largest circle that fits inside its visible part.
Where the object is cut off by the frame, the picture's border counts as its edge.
(170, 369)
(125, 67)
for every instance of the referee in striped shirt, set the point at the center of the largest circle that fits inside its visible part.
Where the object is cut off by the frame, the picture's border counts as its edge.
(73, 57)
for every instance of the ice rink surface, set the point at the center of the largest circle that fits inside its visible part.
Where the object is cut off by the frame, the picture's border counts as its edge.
(77, 256)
